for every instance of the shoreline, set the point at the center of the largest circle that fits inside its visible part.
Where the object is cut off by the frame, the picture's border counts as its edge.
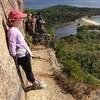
(67, 27)
(89, 21)
(62, 25)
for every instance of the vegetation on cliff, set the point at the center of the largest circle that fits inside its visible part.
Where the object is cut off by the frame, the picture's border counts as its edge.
(80, 55)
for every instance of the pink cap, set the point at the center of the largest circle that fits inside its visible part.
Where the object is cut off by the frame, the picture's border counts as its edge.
(16, 14)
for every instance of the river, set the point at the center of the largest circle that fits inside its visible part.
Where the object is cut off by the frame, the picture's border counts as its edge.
(68, 29)
(72, 27)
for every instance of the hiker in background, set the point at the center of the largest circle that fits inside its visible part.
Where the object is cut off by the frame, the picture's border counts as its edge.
(29, 25)
(33, 23)
(40, 28)
(19, 49)
(34, 35)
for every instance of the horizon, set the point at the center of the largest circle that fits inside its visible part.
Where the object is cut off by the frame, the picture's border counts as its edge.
(40, 4)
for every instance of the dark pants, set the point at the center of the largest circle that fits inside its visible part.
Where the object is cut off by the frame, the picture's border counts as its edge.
(26, 65)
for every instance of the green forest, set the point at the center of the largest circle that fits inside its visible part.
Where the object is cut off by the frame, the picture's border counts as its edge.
(63, 14)
(79, 55)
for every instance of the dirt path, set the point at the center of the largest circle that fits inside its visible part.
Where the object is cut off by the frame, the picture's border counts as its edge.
(43, 69)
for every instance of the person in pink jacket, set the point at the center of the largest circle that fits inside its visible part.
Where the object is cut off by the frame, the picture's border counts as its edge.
(18, 48)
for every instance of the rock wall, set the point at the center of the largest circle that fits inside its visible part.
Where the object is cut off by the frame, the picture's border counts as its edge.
(10, 87)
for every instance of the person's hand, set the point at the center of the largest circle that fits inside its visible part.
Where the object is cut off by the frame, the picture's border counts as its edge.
(15, 58)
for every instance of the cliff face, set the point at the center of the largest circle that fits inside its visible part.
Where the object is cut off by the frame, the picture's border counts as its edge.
(10, 88)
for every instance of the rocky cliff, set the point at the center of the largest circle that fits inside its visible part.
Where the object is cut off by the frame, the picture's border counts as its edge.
(10, 88)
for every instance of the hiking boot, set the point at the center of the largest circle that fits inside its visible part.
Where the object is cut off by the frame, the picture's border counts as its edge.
(38, 84)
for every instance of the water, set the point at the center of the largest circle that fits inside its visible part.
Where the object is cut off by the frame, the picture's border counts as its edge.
(38, 4)
(66, 30)
(70, 29)
(96, 19)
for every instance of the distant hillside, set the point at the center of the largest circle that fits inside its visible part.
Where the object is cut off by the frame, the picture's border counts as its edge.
(63, 13)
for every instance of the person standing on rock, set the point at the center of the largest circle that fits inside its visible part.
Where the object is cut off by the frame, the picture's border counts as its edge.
(40, 25)
(29, 25)
(18, 48)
